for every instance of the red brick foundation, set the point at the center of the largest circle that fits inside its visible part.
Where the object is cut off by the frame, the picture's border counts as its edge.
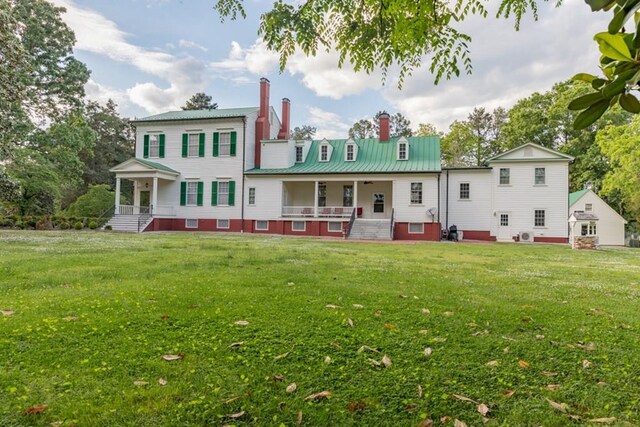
(431, 232)
(478, 235)
(550, 239)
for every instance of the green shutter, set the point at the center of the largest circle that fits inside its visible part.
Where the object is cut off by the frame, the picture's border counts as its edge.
(145, 151)
(216, 144)
(161, 146)
(232, 151)
(232, 193)
(214, 193)
(200, 188)
(183, 193)
(185, 144)
(201, 146)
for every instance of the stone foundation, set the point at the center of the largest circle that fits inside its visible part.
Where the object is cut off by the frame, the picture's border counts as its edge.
(584, 242)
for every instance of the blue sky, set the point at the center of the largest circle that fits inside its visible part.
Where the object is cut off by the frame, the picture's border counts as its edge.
(152, 55)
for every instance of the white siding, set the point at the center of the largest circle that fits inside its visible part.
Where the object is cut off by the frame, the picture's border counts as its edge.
(407, 212)
(268, 198)
(610, 225)
(277, 154)
(474, 213)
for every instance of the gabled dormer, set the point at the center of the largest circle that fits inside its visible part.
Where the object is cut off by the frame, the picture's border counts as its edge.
(350, 151)
(402, 149)
(324, 151)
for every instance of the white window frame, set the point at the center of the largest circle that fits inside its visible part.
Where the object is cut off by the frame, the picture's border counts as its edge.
(535, 218)
(299, 153)
(252, 196)
(154, 146)
(403, 150)
(191, 191)
(224, 144)
(324, 153)
(223, 196)
(503, 216)
(294, 223)
(421, 228)
(191, 223)
(543, 176)
(334, 224)
(350, 153)
(259, 222)
(322, 194)
(507, 176)
(223, 224)
(193, 147)
(417, 201)
(588, 207)
(468, 191)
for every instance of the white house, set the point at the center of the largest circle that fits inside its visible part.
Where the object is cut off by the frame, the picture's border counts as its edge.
(237, 170)
(607, 224)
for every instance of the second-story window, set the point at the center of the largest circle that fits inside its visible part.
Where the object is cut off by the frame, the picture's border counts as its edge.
(350, 153)
(225, 143)
(194, 145)
(464, 191)
(403, 151)
(324, 153)
(540, 176)
(299, 153)
(154, 146)
(505, 176)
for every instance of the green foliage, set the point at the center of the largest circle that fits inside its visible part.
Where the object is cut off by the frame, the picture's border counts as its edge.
(93, 225)
(399, 125)
(427, 129)
(303, 132)
(94, 202)
(200, 101)
(78, 225)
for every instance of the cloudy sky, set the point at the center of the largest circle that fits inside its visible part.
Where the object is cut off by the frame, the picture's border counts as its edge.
(152, 55)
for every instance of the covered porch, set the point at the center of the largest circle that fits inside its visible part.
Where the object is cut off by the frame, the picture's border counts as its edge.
(337, 199)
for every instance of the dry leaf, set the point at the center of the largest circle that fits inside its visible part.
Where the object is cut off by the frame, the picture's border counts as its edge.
(70, 318)
(445, 419)
(332, 306)
(472, 324)
(319, 396)
(597, 311)
(425, 423)
(428, 351)
(299, 418)
(439, 339)
(505, 350)
(290, 284)
(589, 347)
(278, 378)
(507, 338)
(586, 364)
(281, 356)
(483, 409)
(378, 313)
(350, 322)
(327, 360)
(140, 383)
(458, 423)
(423, 331)
(366, 347)
(390, 326)
(540, 337)
(508, 393)
(549, 373)
(601, 383)
(359, 306)
(562, 407)
(36, 409)
(493, 363)
(236, 415)
(170, 357)
(477, 334)
(447, 313)
(553, 387)
(463, 398)
(292, 387)
(426, 311)
(241, 323)
(523, 364)
(420, 390)
(603, 420)
(374, 362)
(356, 406)
(233, 399)
(9, 313)
(402, 296)
(386, 360)
(162, 382)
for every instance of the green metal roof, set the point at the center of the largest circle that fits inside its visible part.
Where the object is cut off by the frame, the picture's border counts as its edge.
(573, 197)
(373, 156)
(157, 166)
(198, 114)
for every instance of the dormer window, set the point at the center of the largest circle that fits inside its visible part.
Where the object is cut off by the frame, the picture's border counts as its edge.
(324, 153)
(403, 150)
(350, 151)
(299, 153)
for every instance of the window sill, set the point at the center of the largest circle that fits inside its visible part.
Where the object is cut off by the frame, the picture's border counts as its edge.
(464, 200)
(539, 227)
(505, 185)
(416, 205)
(539, 185)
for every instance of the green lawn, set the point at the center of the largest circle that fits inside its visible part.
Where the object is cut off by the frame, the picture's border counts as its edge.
(95, 312)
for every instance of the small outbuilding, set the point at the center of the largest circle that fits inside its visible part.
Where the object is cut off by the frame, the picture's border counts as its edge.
(606, 224)
(583, 230)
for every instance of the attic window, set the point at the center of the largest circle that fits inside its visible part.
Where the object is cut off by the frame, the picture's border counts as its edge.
(350, 153)
(324, 153)
(588, 207)
(299, 153)
(403, 150)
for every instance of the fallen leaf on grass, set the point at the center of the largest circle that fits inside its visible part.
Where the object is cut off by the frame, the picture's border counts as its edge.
(241, 323)
(553, 387)
(603, 420)
(423, 331)
(483, 409)
(447, 313)
(507, 338)
(236, 415)
(597, 311)
(586, 364)
(281, 356)
(164, 317)
(327, 360)
(350, 322)
(478, 333)
(411, 407)
(290, 283)
(445, 419)
(523, 364)
(458, 423)
(419, 390)
(36, 409)
(236, 344)
(170, 357)
(508, 393)
(299, 418)
(427, 422)
(375, 362)
(539, 337)
(140, 383)
(231, 400)
(332, 306)
(358, 306)
(428, 351)
(549, 373)
(277, 378)
(70, 318)
(378, 313)
(472, 324)
(426, 311)
(366, 347)
(601, 383)
(402, 296)
(589, 347)
(562, 407)
(162, 382)
(493, 363)
(292, 387)
(386, 360)
(356, 406)
(438, 339)
(390, 326)
(319, 396)
(7, 313)
(463, 398)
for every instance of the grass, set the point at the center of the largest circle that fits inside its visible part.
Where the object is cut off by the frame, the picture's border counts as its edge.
(94, 313)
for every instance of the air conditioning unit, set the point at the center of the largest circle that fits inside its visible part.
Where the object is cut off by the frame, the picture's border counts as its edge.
(526, 236)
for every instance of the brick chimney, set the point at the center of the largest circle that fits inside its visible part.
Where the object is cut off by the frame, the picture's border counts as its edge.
(383, 122)
(284, 129)
(263, 127)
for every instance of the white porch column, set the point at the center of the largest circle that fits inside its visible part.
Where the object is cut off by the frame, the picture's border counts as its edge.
(154, 196)
(117, 211)
(355, 197)
(315, 201)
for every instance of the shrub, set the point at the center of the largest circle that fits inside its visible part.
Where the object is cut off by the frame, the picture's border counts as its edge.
(108, 227)
(78, 225)
(93, 225)
(65, 226)
(19, 225)
(93, 203)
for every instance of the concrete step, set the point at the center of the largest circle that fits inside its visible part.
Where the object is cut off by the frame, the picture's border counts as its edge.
(127, 223)
(368, 229)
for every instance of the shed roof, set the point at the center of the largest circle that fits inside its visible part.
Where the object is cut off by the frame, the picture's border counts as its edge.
(584, 216)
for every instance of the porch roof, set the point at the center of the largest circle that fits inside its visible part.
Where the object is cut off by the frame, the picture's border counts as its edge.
(372, 156)
(139, 168)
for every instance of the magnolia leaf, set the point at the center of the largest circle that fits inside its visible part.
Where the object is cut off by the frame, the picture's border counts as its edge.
(327, 360)
(613, 46)
(428, 351)
(420, 391)
(562, 407)
(367, 348)
(589, 347)
(350, 322)
(7, 312)
(236, 415)
(292, 387)
(358, 306)
(603, 420)
(600, 4)
(549, 373)
(618, 85)
(427, 422)
(332, 306)
(615, 25)
(586, 364)
(36, 409)
(584, 101)
(629, 103)
(236, 344)
(553, 387)
(162, 382)
(583, 77)
(170, 357)
(523, 364)
(508, 393)
(386, 360)
(140, 383)
(241, 323)
(374, 362)
(319, 396)
(426, 311)
(591, 114)
(483, 409)
(423, 331)
(281, 356)
(463, 398)
(493, 363)
(299, 418)
(539, 337)
(447, 313)
(445, 419)
(458, 423)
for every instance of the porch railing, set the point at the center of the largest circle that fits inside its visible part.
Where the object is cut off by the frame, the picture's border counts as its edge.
(142, 220)
(133, 210)
(352, 219)
(320, 211)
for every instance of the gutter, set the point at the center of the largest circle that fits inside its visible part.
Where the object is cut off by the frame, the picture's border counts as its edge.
(244, 153)
(447, 203)
(439, 202)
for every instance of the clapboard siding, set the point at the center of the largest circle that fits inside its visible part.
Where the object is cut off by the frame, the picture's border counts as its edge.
(474, 213)
(610, 224)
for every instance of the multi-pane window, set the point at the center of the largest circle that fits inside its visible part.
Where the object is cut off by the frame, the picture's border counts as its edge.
(416, 228)
(252, 195)
(539, 218)
(378, 203)
(299, 152)
(416, 193)
(464, 190)
(322, 194)
(191, 223)
(347, 195)
(222, 223)
(335, 227)
(192, 193)
(224, 141)
(540, 176)
(589, 229)
(154, 146)
(504, 220)
(588, 207)
(402, 151)
(298, 225)
(262, 225)
(504, 176)
(324, 153)
(350, 152)
(223, 193)
(194, 145)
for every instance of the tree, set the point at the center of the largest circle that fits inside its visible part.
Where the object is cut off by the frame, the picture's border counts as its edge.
(428, 129)
(200, 101)
(364, 128)
(303, 132)
(93, 203)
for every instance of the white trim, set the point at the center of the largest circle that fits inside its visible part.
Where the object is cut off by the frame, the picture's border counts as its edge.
(187, 220)
(563, 156)
(221, 227)
(421, 224)
(330, 223)
(258, 221)
(304, 225)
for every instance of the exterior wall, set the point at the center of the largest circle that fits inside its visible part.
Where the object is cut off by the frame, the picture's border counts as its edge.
(521, 197)
(278, 154)
(431, 231)
(474, 215)
(179, 224)
(403, 209)
(268, 198)
(610, 225)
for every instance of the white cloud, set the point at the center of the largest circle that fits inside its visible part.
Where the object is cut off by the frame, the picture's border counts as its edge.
(188, 44)
(256, 59)
(329, 125)
(101, 93)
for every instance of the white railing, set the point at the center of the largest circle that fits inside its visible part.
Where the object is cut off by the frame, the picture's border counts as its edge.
(133, 210)
(320, 211)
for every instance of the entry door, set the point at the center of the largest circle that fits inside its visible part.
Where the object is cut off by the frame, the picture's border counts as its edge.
(145, 200)
(378, 205)
(504, 226)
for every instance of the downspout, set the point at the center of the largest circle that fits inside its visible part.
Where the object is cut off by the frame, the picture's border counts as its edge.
(447, 202)
(439, 225)
(244, 153)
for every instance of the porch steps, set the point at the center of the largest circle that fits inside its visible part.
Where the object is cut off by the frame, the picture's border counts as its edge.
(127, 223)
(370, 229)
